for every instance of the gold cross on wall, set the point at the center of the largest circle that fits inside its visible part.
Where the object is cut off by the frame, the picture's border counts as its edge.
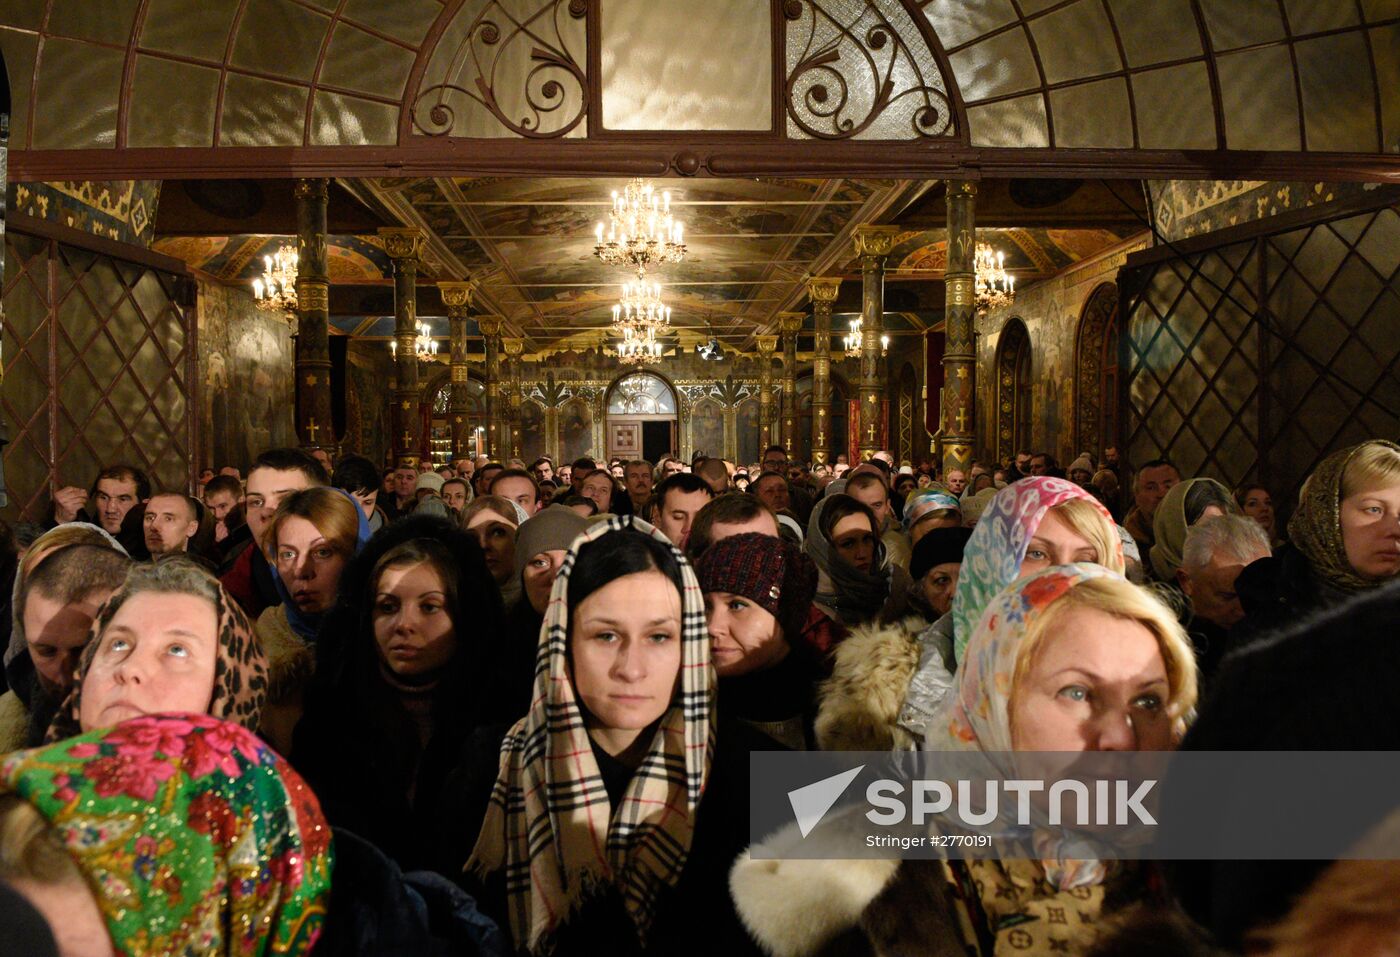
(312, 429)
(962, 421)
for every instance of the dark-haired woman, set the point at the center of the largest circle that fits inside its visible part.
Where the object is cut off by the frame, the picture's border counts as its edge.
(855, 582)
(398, 686)
(596, 840)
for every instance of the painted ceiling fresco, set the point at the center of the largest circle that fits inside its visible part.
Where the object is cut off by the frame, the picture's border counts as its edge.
(751, 245)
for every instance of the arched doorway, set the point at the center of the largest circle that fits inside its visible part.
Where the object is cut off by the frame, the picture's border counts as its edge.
(1013, 390)
(440, 421)
(641, 419)
(1096, 372)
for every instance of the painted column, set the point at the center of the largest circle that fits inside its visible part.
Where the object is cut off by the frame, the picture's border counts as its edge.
(959, 356)
(403, 245)
(457, 297)
(791, 324)
(873, 244)
(491, 331)
(823, 292)
(313, 348)
(767, 345)
(514, 349)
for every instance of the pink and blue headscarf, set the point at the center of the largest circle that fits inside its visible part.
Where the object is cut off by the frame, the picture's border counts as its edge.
(993, 556)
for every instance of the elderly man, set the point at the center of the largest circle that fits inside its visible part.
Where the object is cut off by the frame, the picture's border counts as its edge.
(956, 480)
(1214, 553)
(1150, 486)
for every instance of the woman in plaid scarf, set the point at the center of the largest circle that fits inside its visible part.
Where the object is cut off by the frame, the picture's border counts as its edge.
(595, 840)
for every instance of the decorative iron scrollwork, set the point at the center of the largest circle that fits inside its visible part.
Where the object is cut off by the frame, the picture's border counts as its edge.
(854, 71)
(478, 67)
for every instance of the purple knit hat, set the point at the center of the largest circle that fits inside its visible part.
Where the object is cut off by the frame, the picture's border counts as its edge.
(772, 573)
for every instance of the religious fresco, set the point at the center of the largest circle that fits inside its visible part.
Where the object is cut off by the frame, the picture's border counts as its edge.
(1036, 252)
(349, 259)
(124, 210)
(530, 431)
(1185, 208)
(706, 428)
(246, 370)
(367, 371)
(575, 430)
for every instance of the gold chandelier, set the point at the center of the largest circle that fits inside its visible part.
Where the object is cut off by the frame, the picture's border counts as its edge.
(638, 345)
(641, 231)
(425, 347)
(855, 340)
(276, 288)
(993, 286)
(641, 306)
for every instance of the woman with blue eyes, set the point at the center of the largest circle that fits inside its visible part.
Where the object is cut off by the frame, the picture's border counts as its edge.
(169, 640)
(596, 840)
(398, 688)
(1073, 658)
(758, 591)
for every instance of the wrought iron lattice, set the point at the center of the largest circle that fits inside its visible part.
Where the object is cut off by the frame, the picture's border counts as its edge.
(856, 70)
(98, 372)
(490, 52)
(1256, 360)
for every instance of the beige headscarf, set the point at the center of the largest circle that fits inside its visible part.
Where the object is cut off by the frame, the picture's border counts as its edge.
(1316, 527)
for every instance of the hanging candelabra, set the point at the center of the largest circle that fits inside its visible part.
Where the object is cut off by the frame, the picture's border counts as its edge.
(638, 345)
(854, 340)
(276, 288)
(993, 285)
(641, 306)
(641, 232)
(425, 347)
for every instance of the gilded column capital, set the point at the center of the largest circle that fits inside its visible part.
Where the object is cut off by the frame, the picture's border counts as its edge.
(767, 345)
(823, 288)
(490, 326)
(514, 347)
(402, 242)
(791, 322)
(457, 297)
(874, 242)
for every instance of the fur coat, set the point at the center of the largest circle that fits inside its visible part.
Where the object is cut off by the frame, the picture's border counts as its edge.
(860, 704)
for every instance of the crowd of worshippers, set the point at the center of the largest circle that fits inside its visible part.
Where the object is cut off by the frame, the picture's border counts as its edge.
(497, 709)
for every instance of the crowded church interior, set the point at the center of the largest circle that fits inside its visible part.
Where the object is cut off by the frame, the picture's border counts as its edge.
(450, 447)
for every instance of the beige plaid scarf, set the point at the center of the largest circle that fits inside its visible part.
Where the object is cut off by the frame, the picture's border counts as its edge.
(550, 824)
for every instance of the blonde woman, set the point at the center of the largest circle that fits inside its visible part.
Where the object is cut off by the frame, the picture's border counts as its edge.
(1073, 658)
(1344, 539)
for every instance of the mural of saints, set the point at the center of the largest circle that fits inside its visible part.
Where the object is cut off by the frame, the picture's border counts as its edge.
(707, 429)
(575, 430)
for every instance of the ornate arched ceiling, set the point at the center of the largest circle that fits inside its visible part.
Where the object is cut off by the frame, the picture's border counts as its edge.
(168, 88)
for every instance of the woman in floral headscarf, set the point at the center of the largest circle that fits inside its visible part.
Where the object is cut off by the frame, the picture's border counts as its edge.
(1073, 658)
(595, 839)
(168, 834)
(1030, 525)
(1345, 539)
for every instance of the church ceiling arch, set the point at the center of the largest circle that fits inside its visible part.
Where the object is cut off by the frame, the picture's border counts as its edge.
(184, 88)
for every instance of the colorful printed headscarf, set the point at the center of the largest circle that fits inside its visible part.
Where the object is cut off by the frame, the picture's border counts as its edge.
(992, 559)
(550, 824)
(240, 667)
(926, 500)
(194, 836)
(977, 716)
(1169, 525)
(1316, 527)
